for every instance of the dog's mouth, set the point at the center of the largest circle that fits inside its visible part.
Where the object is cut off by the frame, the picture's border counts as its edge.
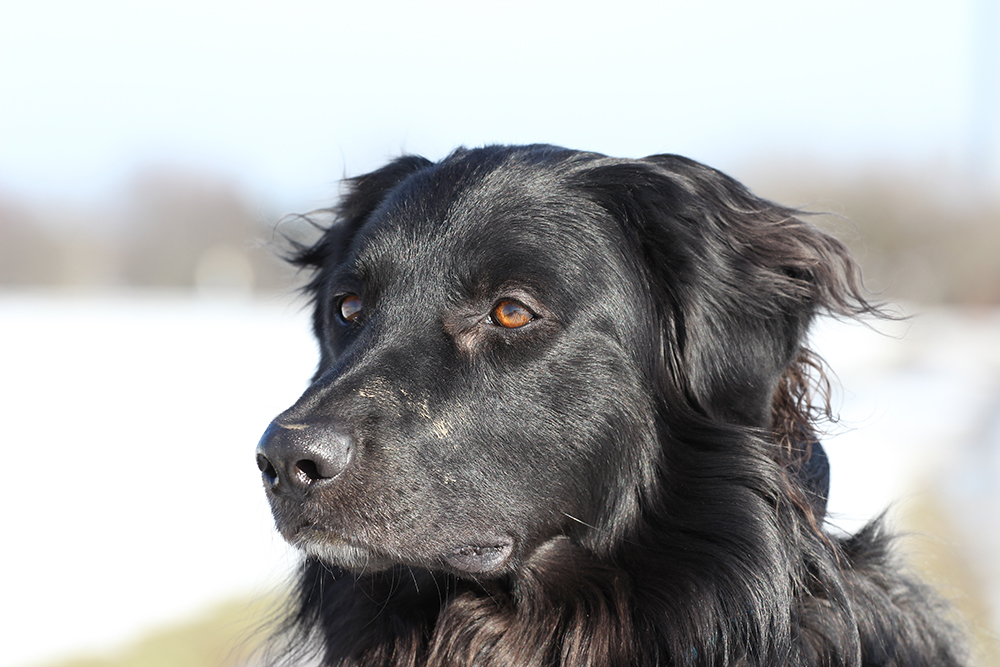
(487, 554)
(480, 557)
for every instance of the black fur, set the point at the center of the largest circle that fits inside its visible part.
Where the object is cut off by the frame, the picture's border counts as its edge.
(617, 482)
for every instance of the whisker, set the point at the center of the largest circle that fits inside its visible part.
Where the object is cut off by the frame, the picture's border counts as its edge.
(580, 521)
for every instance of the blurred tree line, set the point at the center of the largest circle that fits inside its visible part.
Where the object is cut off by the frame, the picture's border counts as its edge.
(169, 229)
(918, 238)
(925, 236)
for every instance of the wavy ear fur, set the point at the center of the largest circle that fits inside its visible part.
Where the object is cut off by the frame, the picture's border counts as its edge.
(743, 278)
(363, 195)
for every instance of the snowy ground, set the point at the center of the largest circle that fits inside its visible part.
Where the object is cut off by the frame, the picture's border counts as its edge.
(129, 421)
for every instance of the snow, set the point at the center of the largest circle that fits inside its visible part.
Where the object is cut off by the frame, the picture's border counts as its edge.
(131, 497)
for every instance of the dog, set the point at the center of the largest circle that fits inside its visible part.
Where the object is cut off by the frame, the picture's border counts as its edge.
(564, 414)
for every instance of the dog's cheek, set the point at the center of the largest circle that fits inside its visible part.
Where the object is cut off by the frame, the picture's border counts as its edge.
(599, 405)
(559, 437)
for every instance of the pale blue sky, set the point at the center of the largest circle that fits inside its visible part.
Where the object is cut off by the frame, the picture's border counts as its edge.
(288, 98)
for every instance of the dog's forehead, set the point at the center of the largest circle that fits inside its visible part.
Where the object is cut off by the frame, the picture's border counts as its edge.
(505, 219)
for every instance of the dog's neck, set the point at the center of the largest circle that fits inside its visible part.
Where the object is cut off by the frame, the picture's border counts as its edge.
(563, 607)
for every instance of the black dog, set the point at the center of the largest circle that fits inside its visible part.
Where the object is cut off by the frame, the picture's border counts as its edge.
(561, 417)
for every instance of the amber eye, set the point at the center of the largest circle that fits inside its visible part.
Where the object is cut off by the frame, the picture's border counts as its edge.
(350, 307)
(511, 314)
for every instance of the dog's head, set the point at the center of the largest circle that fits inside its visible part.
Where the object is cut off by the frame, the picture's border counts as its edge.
(510, 337)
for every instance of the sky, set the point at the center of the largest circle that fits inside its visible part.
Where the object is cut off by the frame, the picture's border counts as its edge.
(288, 99)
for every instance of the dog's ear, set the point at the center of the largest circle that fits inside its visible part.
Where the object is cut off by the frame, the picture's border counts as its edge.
(736, 279)
(362, 196)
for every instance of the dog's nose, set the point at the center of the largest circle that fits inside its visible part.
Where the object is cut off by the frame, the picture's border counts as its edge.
(297, 456)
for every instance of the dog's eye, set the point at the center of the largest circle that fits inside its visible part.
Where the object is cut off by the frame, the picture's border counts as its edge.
(511, 314)
(350, 307)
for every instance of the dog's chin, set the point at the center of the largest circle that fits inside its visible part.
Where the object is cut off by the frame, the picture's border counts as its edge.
(339, 553)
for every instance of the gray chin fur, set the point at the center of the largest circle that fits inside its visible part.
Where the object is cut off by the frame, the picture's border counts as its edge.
(348, 556)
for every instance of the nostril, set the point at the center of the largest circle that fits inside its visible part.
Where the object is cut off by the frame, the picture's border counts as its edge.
(293, 457)
(270, 474)
(307, 471)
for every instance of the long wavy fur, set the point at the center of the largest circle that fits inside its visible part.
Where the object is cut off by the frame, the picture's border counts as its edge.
(725, 562)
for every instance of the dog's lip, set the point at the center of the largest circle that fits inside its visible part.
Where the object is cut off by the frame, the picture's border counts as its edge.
(486, 554)
(303, 532)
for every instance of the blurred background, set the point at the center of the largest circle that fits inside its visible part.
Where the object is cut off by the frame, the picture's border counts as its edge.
(148, 333)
